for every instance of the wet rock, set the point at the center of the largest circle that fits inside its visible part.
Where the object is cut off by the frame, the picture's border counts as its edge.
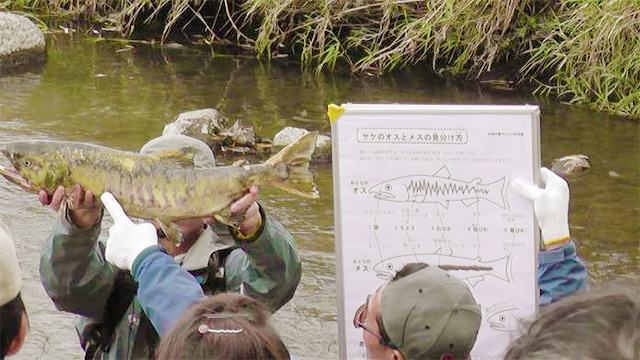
(571, 165)
(203, 124)
(289, 135)
(238, 135)
(211, 127)
(22, 44)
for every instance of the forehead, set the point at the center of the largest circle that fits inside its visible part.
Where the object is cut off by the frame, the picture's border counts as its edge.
(375, 303)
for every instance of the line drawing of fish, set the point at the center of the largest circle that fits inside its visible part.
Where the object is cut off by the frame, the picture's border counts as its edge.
(440, 188)
(504, 319)
(475, 270)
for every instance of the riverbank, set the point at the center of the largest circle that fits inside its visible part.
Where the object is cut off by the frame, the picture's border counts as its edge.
(578, 52)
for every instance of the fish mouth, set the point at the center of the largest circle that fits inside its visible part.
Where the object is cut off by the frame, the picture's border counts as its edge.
(383, 275)
(496, 326)
(382, 195)
(15, 177)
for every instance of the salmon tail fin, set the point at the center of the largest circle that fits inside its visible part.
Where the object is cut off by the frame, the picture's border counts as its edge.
(495, 192)
(296, 158)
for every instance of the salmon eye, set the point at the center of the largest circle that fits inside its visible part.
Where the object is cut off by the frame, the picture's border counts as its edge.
(390, 266)
(502, 318)
(27, 163)
(387, 187)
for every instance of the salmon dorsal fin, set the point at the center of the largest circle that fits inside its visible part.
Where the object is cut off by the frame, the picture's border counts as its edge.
(182, 156)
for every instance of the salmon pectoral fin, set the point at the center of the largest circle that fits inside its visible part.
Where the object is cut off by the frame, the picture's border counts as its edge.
(227, 218)
(171, 230)
(296, 157)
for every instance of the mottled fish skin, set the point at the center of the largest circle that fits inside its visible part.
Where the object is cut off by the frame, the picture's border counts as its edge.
(153, 187)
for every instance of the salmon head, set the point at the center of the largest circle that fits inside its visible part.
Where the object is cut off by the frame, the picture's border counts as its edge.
(37, 165)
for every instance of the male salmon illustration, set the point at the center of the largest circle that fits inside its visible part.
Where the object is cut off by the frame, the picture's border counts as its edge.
(471, 270)
(441, 189)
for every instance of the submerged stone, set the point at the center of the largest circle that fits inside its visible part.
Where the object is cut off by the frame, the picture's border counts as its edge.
(22, 44)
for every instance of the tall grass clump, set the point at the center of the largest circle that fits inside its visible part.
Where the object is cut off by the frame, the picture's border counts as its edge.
(591, 55)
(456, 36)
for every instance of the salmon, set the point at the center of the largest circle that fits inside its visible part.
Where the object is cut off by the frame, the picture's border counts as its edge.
(162, 186)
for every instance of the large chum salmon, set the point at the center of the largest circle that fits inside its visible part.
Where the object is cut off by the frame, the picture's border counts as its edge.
(162, 186)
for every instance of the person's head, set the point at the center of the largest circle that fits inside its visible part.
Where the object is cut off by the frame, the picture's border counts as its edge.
(228, 326)
(422, 313)
(13, 316)
(602, 323)
(203, 159)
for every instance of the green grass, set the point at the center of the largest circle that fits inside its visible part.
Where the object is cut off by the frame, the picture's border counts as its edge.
(581, 52)
(591, 55)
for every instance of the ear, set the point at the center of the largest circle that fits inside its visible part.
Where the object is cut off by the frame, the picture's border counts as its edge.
(397, 354)
(17, 343)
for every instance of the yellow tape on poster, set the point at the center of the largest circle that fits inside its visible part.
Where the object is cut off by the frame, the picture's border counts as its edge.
(335, 111)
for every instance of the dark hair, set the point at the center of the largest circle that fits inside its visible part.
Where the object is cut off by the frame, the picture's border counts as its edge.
(603, 323)
(246, 332)
(10, 320)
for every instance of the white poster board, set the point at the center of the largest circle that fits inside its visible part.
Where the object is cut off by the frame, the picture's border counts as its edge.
(431, 183)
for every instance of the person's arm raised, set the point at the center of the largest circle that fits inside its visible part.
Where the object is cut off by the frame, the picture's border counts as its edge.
(165, 289)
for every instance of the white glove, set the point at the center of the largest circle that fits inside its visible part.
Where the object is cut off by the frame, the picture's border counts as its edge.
(551, 205)
(126, 239)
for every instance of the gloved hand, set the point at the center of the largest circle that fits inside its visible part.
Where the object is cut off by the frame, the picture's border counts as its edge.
(126, 239)
(551, 205)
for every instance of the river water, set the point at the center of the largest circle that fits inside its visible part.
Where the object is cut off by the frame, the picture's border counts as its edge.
(122, 95)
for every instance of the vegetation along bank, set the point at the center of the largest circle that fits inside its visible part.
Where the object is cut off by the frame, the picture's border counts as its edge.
(578, 51)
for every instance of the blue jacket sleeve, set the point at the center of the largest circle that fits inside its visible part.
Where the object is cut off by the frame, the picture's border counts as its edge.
(165, 290)
(560, 273)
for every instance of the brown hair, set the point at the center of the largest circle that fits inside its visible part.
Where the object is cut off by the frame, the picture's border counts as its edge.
(224, 326)
(602, 323)
(10, 319)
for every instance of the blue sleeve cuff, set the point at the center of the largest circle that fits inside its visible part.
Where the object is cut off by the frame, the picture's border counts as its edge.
(146, 253)
(560, 273)
(562, 253)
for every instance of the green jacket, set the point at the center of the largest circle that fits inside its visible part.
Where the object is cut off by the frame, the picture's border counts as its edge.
(79, 280)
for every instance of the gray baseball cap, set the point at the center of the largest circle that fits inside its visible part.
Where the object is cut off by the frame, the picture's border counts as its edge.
(203, 157)
(430, 313)
(10, 280)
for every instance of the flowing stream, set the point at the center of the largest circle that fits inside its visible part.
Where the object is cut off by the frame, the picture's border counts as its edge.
(121, 96)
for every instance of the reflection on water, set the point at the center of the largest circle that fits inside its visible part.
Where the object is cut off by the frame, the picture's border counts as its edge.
(112, 94)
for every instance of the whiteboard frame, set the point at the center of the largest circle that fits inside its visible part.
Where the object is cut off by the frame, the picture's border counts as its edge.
(528, 109)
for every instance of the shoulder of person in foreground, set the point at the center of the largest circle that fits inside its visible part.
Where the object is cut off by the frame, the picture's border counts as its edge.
(600, 323)
(223, 326)
(267, 266)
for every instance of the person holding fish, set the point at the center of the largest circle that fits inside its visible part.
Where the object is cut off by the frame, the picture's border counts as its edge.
(191, 325)
(256, 257)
